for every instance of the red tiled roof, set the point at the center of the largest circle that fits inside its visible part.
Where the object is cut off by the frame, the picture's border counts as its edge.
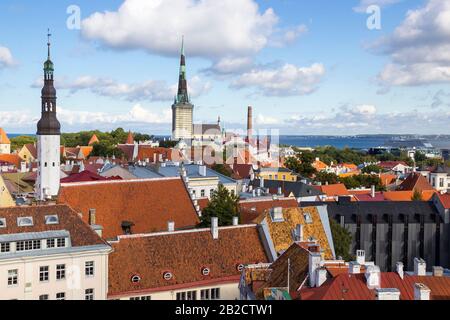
(4, 137)
(130, 138)
(81, 234)
(32, 149)
(147, 152)
(387, 179)
(242, 171)
(415, 181)
(128, 150)
(391, 164)
(148, 204)
(333, 190)
(353, 287)
(184, 254)
(445, 200)
(13, 159)
(251, 209)
(379, 196)
(407, 195)
(84, 177)
(93, 140)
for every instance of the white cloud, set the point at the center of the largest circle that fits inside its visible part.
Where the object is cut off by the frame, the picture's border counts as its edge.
(419, 48)
(230, 65)
(213, 28)
(364, 4)
(151, 90)
(6, 58)
(288, 80)
(266, 120)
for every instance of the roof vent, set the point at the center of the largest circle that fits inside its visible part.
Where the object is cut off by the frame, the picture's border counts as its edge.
(2, 223)
(206, 271)
(168, 276)
(135, 279)
(25, 221)
(52, 219)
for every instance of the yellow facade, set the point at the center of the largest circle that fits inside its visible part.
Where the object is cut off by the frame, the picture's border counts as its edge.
(26, 155)
(5, 197)
(277, 175)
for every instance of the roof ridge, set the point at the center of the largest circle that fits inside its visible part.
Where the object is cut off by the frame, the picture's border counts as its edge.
(74, 184)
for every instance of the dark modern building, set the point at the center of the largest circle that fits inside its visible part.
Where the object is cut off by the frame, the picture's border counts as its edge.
(392, 232)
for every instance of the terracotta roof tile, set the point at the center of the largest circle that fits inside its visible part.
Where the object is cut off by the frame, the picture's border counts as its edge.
(147, 152)
(81, 234)
(32, 149)
(13, 159)
(415, 181)
(407, 195)
(94, 139)
(149, 204)
(4, 137)
(445, 200)
(130, 138)
(251, 209)
(184, 254)
(333, 190)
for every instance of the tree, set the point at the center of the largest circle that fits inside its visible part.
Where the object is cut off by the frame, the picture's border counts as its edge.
(18, 142)
(301, 164)
(222, 205)
(222, 169)
(326, 177)
(105, 149)
(342, 240)
(417, 196)
(372, 168)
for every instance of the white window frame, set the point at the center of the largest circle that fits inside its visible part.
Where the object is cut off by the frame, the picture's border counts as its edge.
(44, 275)
(60, 272)
(89, 269)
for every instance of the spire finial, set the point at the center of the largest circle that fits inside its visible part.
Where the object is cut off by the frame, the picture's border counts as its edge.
(182, 45)
(48, 42)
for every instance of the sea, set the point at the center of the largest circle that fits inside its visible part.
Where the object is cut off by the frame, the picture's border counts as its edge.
(353, 142)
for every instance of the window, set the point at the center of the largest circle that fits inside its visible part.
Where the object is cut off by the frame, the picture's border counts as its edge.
(441, 182)
(188, 295)
(53, 219)
(28, 245)
(168, 276)
(60, 271)
(141, 298)
(202, 193)
(89, 294)
(45, 165)
(308, 218)
(61, 296)
(61, 242)
(13, 276)
(50, 243)
(211, 192)
(43, 297)
(5, 247)
(43, 273)
(89, 268)
(284, 177)
(2, 223)
(210, 294)
(135, 279)
(25, 221)
(205, 271)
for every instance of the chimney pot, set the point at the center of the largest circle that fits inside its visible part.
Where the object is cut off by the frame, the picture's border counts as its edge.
(235, 221)
(373, 277)
(171, 226)
(388, 294)
(438, 271)
(354, 268)
(314, 264)
(299, 233)
(420, 267)
(421, 292)
(399, 269)
(361, 257)
(215, 227)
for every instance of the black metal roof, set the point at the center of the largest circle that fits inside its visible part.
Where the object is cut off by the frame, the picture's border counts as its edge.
(297, 188)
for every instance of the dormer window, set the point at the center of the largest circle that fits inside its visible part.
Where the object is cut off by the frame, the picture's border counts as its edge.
(168, 276)
(240, 267)
(51, 219)
(135, 279)
(25, 222)
(308, 218)
(2, 223)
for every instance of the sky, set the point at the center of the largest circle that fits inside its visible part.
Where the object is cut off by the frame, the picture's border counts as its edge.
(307, 67)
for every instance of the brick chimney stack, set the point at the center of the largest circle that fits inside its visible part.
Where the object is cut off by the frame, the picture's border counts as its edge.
(250, 123)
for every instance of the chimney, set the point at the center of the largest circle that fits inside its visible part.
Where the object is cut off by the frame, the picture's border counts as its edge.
(299, 233)
(361, 257)
(202, 170)
(280, 191)
(171, 226)
(373, 277)
(215, 228)
(261, 182)
(421, 292)
(235, 221)
(354, 268)
(92, 217)
(321, 277)
(372, 191)
(250, 123)
(420, 267)
(314, 264)
(387, 294)
(438, 272)
(399, 269)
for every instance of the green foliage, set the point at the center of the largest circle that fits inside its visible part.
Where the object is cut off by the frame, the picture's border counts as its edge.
(326, 177)
(18, 142)
(417, 196)
(222, 169)
(346, 155)
(362, 181)
(223, 205)
(420, 156)
(342, 240)
(105, 149)
(114, 137)
(301, 164)
(373, 168)
(168, 144)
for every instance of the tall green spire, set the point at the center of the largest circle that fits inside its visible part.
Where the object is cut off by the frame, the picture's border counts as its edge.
(48, 65)
(182, 96)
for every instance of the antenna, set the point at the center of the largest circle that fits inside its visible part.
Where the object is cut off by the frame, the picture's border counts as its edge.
(48, 41)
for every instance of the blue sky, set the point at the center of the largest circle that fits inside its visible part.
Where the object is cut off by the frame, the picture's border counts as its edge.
(307, 67)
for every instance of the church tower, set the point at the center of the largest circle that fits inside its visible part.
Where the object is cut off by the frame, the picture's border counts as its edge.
(48, 137)
(182, 109)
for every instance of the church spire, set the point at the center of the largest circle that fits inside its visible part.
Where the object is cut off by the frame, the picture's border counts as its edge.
(182, 96)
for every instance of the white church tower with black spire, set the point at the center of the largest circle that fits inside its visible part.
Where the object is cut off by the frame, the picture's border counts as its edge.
(48, 138)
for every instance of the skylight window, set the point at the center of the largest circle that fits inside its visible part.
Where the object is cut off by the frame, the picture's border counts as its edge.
(308, 218)
(51, 219)
(168, 276)
(206, 271)
(135, 279)
(25, 221)
(2, 223)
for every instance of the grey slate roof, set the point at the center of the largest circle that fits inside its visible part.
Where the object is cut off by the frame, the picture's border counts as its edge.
(297, 188)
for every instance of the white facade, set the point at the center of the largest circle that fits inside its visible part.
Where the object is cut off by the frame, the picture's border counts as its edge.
(48, 179)
(76, 285)
(440, 181)
(5, 148)
(222, 291)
